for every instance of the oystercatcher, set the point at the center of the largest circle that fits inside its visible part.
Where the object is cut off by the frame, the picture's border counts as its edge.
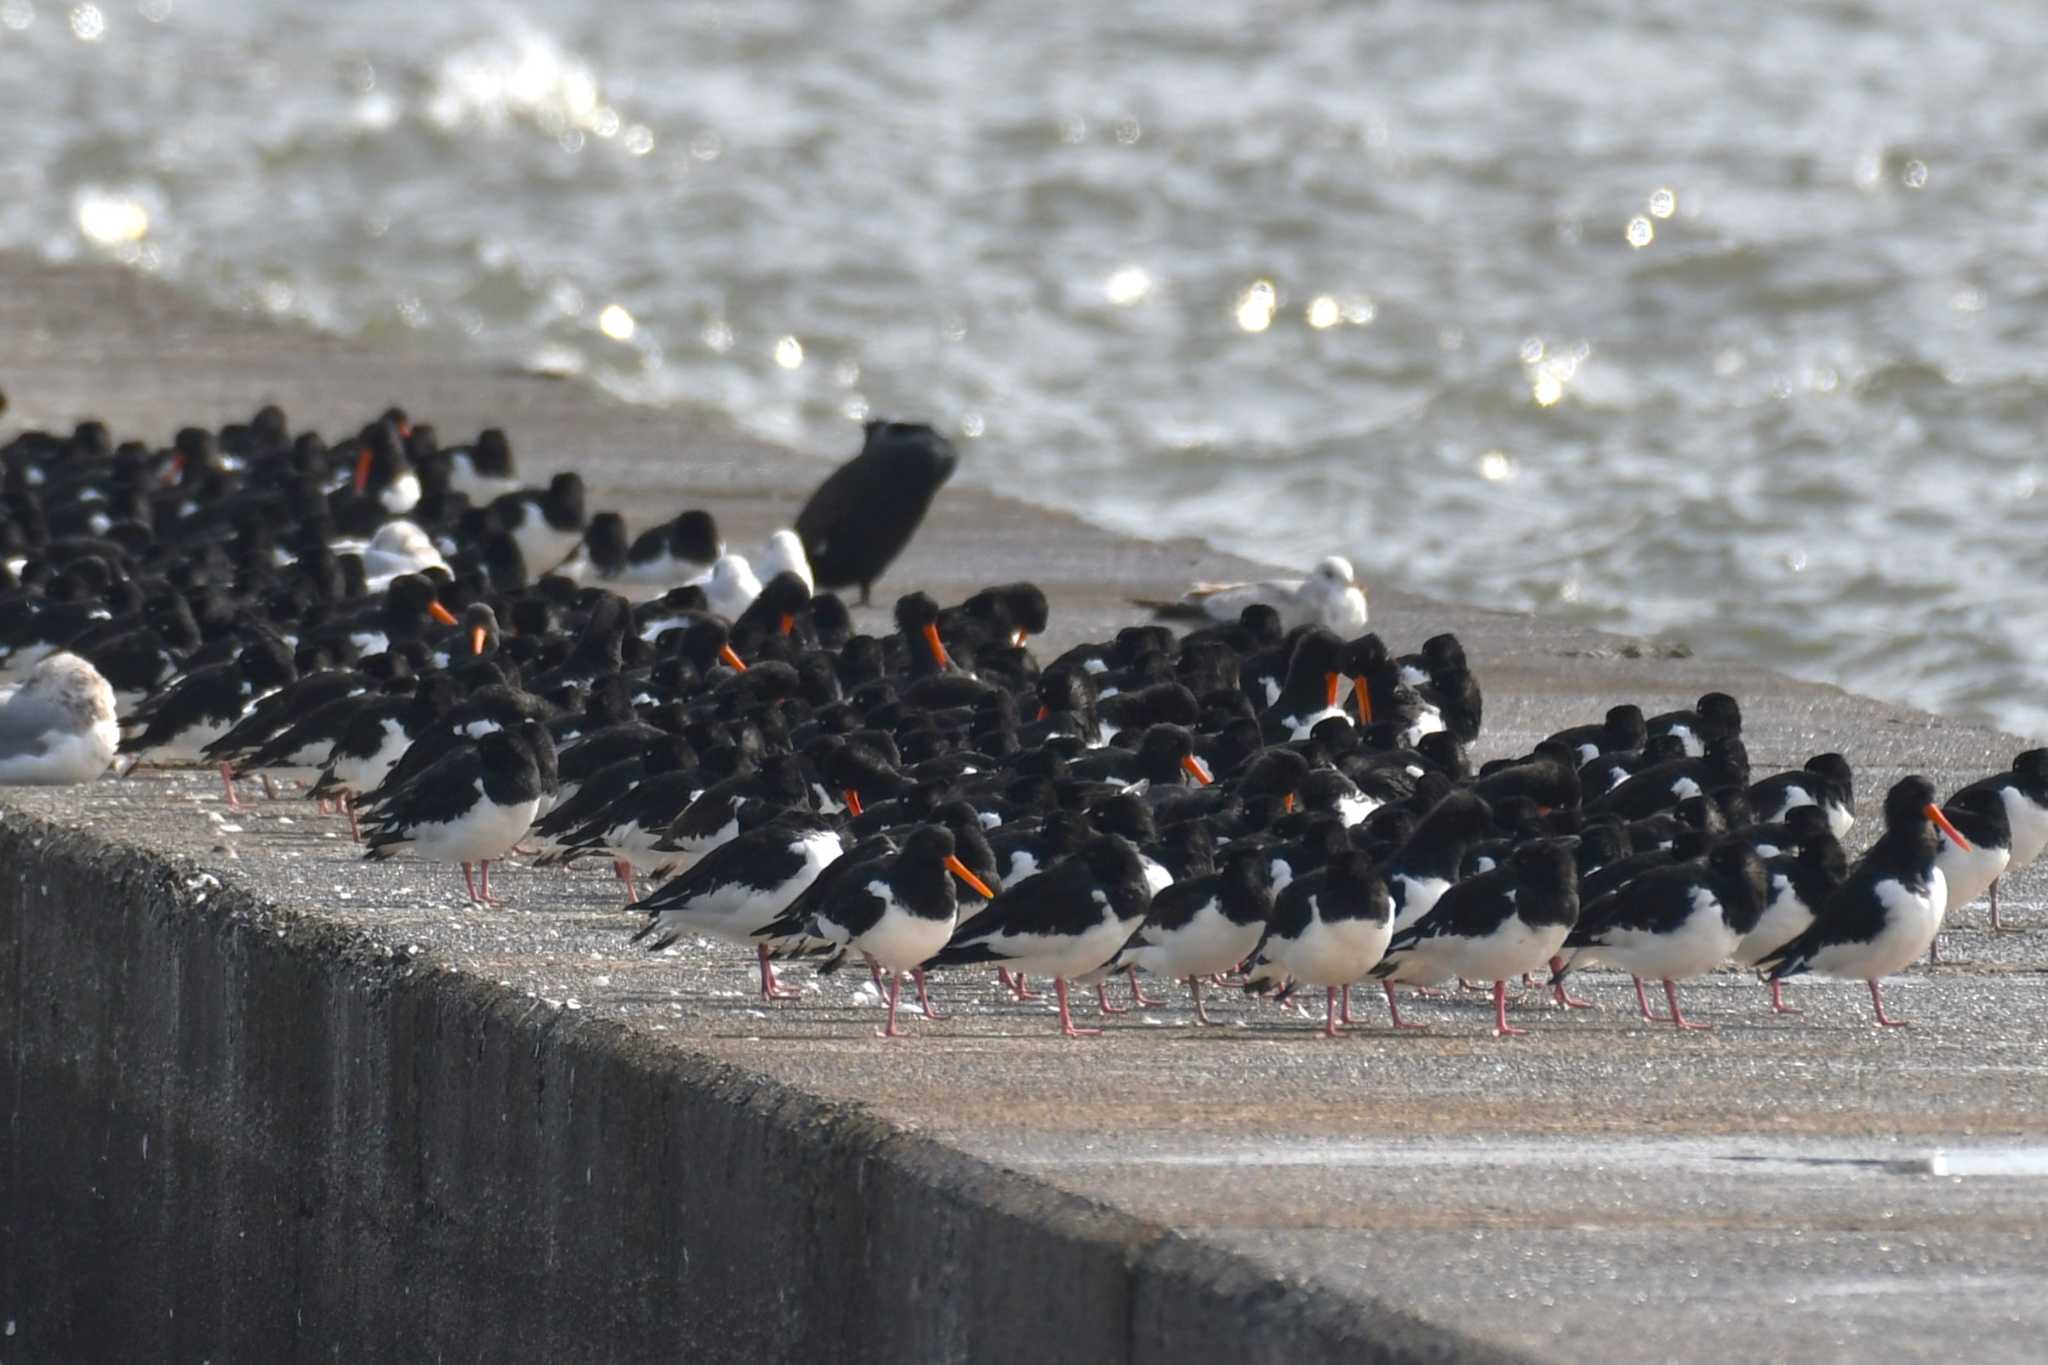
(902, 914)
(1492, 927)
(1672, 922)
(2024, 790)
(1825, 781)
(1887, 912)
(1328, 928)
(1715, 716)
(470, 806)
(1798, 885)
(1204, 926)
(739, 887)
(1065, 922)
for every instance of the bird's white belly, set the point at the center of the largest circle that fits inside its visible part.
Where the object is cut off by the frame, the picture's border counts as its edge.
(72, 759)
(1785, 917)
(1206, 944)
(1337, 953)
(1969, 875)
(1911, 922)
(485, 832)
(1702, 943)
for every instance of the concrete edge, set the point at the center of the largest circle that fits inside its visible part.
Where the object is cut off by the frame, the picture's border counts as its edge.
(239, 1130)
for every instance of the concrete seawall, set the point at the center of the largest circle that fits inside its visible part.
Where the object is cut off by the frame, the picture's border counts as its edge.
(264, 1101)
(240, 1133)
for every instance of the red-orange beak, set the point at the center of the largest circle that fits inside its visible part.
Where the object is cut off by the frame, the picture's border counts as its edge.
(788, 623)
(732, 660)
(1941, 823)
(852, 800)
(1330, 683)
(441, 613)
(938, 646)
(1018, 637)
(1044, 711)
(405, 430)
(363, 469)
(1192, 766)
(476, 639)
(961, 870)
(1364, 701)
(1287, 803)
(177, 469)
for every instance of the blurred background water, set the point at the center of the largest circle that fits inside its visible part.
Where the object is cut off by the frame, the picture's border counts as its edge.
(1722, 323)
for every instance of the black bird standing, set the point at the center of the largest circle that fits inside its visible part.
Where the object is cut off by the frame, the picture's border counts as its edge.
(865, 512)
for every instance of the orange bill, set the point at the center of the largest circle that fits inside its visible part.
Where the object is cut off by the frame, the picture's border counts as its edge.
(1018, 637)
(732, 660)
(788, 623)
(476, 639)
(1364, 701)
(1044, 711)
(938, 646)
(363, 469)
(1941, 823)
(961, 870)
(1193, 767)
(1330, 683)
(851, 799)
(1287, 803)
(441, 613)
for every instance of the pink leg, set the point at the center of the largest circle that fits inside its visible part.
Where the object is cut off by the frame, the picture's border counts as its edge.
(1671, 994)
(355, 831)
(269, 792)
(485, 868)
(1344, 1006)
(924, 1001)
(875, 973)
(469, 881)
(771, 989)
(1565, 999)
(1877, 1003)
(1778, 1005)
(1138, 996)
(1102, 1000)
(1997, 925)
(624, 868)
(1643, 1004)
(1395, 1009)
(227, 782)
(1195, 989)
(895, 989)
(1017, 984)
(1501, 1027)
(1059, 985)
(1330, 1012)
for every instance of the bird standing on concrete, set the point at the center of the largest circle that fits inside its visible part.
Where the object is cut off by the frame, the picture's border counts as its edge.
(862, 516)
(57, 727)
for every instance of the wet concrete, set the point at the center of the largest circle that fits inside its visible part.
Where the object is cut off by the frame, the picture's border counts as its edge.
(1587, 1192)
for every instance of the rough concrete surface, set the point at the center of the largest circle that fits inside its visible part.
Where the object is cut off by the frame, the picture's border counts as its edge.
(377, 1120)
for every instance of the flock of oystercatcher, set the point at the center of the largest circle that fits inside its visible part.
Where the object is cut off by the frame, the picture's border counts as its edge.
(1273, 801)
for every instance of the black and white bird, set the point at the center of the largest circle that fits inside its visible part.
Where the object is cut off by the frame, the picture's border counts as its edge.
(1886, 914)
(1826, 781)
(378, 732)
(1205, 926)
(673, 552)
(547, 526)
(1065, 922)
(1492, 927)
(902, 913)
(1623, 731)
(1715, 716)
(1798, 884)
(1970, 871)
(1328, 929)
(470, 806)
(1673, 922)
(2024, 790)
(177, 724)
(1312, 691)
(739, 887)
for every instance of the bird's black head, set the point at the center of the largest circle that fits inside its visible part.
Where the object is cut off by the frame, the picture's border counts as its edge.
(1365, 656)
(1443, 653)
(605, 539)
(1626, 727)
(1720, 715)
(693, 536)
